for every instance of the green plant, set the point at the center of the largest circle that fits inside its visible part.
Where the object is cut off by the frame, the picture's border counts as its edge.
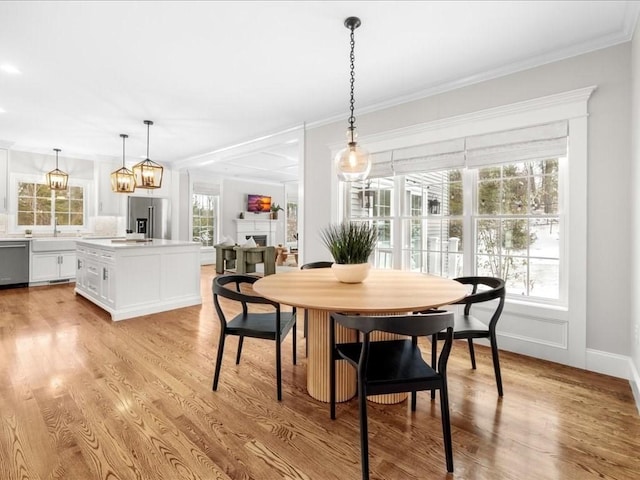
(350, 242)
(276, 208)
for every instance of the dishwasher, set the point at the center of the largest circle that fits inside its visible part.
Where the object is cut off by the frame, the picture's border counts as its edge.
(14, 263)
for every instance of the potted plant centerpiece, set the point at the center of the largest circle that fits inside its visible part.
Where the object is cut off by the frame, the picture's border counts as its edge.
(350, 244)
(275, 208)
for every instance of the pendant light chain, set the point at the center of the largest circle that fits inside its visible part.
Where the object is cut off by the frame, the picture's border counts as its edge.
(352, 59)
(148, 126)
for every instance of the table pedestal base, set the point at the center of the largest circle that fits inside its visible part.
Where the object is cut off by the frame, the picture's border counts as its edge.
(319, 359)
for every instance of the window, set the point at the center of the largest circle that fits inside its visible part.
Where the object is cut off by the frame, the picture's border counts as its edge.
(204, 209)
(292, 222)
(433, 223)
(517, 227)
(500, 216)
(38, 205)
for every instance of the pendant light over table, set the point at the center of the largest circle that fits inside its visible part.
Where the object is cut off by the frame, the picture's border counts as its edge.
(148, 173)
(57, 179)
(123, 180)
(353, 162)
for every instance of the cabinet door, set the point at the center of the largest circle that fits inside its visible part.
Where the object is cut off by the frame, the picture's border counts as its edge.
(68, 265)
(81, 272)
(109, 203)
(45, 266)
(93, 278)
(4, 190)
(107, 291)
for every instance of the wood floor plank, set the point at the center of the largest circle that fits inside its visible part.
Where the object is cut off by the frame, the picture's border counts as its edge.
(85, 398)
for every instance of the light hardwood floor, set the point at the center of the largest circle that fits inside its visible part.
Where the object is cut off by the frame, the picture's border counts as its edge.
(82, 398)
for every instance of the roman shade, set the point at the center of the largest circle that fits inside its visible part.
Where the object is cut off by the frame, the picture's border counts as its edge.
(517, 145)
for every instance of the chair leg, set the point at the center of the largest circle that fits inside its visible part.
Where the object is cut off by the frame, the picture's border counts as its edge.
(332, 387)
(434, 358)
(472, 353)
(295, 345)
(278, 369)
(240, 342)
(446, 427)
(364, 431)
(414, 396)
(496, 363)
(216, 376)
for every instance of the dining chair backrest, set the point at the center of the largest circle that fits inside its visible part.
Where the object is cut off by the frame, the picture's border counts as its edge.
(221, 288)
(321, 264)
(495, 291)
(416, 325)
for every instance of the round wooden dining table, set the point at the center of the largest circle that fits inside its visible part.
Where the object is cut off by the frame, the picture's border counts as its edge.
(383, 292)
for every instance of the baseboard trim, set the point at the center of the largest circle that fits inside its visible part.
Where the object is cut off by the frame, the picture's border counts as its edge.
(634, 381)
(608, 363)
(620, 366)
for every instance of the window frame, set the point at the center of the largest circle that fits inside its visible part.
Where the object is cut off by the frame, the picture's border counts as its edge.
(401, 249)
(216, 217)
(16, 179)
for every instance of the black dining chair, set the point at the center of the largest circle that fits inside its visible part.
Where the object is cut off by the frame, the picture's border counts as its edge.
(272, 325)
(484, 289)
(393, 366)
(309, 266)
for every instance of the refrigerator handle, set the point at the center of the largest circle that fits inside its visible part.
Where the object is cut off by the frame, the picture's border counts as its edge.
(151, 230)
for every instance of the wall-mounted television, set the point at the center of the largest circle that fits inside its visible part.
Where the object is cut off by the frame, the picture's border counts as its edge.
(258, 203)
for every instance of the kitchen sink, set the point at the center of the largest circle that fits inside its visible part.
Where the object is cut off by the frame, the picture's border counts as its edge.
(52, 244)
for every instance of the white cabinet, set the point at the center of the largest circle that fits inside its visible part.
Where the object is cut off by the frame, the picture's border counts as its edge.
(109, 202)
(96, 274)
(130, 280)
(4, 190)
(52, 266)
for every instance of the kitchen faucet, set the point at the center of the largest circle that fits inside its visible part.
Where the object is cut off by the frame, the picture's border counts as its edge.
(55, 227)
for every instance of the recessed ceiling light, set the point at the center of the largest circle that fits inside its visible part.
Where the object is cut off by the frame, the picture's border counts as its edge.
(2, 110)
(6, 68)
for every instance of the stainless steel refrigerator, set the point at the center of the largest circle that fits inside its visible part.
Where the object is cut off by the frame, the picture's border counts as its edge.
(150, 216)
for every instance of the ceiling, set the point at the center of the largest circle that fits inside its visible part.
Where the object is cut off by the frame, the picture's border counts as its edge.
(216, 74)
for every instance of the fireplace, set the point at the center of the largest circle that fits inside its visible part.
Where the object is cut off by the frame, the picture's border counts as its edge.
(263, 230)
(261, 240)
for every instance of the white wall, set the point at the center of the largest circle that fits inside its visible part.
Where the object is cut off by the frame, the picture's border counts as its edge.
(233, 200)
(634, 327)
(609, 186)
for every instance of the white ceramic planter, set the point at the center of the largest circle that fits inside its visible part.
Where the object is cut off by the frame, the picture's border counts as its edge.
(350, 273)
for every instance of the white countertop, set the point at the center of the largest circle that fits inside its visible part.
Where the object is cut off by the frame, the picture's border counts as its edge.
(119, 244)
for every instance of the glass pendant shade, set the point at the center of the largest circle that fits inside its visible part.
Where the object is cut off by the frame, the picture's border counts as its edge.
(123, 180)
(148, 174)
(353, 163)
(57, 179)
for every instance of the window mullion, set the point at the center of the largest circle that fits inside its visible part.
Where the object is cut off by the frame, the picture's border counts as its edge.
(469, 193)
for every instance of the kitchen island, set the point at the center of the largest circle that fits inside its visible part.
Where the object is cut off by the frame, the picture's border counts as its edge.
(130, 278)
